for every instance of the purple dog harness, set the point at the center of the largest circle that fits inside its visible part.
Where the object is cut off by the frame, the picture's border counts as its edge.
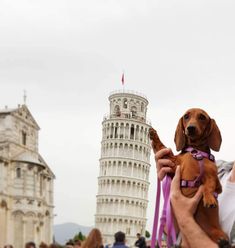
(167, 218)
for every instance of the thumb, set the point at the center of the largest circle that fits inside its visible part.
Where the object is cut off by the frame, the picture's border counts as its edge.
(177, 175)
(175, 184)
(198, 195)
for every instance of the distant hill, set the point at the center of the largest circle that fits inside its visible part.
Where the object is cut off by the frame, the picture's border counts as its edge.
(66, 231)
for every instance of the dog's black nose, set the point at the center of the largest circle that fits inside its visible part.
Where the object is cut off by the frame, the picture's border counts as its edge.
(191, 130)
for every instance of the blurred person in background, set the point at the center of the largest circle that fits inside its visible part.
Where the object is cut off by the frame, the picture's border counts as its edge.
(120, 240)
(77, 244)
(69, 244)
(140, 242)
(53, 246)
(43, 245)
(30, 245)
(93, 240)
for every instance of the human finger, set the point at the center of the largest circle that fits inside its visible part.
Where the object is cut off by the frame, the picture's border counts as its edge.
(163, 152)
(163, 171)
(164, 163)
(198, 195)
(175, 184)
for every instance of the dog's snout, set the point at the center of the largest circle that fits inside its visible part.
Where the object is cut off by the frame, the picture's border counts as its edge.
(191, 129)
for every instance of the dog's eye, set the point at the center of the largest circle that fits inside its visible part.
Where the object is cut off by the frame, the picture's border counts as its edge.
(186, 116)
(202, 117)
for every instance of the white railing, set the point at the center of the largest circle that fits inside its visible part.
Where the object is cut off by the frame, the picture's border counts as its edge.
(128, 92)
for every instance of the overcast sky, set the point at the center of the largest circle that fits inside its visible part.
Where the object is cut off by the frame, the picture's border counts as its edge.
(70, 54)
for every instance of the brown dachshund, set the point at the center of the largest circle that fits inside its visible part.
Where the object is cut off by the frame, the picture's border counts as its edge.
(197, 130)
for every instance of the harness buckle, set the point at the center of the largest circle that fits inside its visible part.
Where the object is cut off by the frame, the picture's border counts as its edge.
(190, 184)
(184, 183)
(197, 156)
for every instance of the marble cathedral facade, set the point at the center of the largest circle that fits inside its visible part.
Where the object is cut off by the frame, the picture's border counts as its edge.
(26, 181)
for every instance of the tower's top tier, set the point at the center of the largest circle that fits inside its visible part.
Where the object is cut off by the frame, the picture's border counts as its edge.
(128, 104)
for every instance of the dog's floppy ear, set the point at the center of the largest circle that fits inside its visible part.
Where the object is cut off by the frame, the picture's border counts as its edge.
(180, 136)
(214, 138)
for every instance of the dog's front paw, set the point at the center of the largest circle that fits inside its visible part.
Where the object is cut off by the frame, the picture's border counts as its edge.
(209, 200)
(220, 238)
(152, 133)
(224, 243)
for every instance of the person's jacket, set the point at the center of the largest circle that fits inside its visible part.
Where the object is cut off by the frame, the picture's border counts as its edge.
(140, 243)
(119, 245)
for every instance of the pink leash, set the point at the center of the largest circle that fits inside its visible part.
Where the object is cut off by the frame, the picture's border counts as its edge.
(156, 214)
(166, 217)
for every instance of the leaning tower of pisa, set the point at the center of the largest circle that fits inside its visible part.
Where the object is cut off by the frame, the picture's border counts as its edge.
(123, 181)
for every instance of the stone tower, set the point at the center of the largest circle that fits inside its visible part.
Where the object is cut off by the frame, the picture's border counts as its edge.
(26, 181)
(123, 181)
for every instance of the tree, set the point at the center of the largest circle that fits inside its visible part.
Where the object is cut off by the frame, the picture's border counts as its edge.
(79, 236)
(147, 234)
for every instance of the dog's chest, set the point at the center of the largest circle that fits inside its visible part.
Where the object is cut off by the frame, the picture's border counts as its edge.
(189, 166)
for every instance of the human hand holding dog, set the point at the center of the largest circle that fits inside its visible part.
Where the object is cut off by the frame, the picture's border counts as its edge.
(163, 165)
(183, 207)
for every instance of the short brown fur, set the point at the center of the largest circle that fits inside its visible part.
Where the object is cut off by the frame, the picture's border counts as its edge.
(206, 136)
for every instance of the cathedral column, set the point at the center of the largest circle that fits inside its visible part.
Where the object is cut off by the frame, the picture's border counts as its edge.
(3, 225)
(24, 229)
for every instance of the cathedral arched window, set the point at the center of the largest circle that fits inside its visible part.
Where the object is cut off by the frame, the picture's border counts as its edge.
(41, 184)
(24, 137)
(18, 173)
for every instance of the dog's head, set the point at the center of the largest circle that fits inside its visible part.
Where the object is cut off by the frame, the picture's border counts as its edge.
(196, 128)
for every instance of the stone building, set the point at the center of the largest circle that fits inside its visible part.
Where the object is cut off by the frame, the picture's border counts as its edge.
(123, 181)
(26, 181)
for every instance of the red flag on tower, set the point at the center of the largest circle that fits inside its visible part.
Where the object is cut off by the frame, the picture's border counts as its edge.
(123, 80)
